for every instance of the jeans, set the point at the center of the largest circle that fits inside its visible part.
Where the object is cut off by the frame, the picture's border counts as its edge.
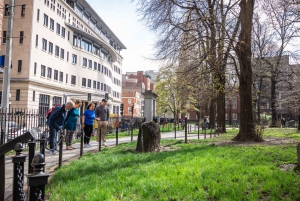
(52, 137)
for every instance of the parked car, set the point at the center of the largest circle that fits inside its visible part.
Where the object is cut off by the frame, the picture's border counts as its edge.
(14, 134)
(12, 126)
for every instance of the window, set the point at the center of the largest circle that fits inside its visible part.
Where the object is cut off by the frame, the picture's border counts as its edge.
(68, 35)
(83, 83)
(51, 24)
(21, 36)
(74, 58)
(84, 62)
(95, 65)
(6, 12)
(234, 102)
(56, 100)
(45, 20)
(34, 69)
(36, 40)
(49, 73)
(50, 47)
(129, 100)
(89, 83)
(90, 63)
(33, 96)
(18, 95)
(38, 15)
(23, 11)
(19, 66)
(61, 76)
(73, 79)
(67, 56)
(56, 51)
(55, 76)
(94, 84)
(58, 28)
(43, 71)
(44, 44)
(63, 30)
(62, 53)
(99, 67)
(4, 37)
(234, 116)
(66, 78)
(98, 85)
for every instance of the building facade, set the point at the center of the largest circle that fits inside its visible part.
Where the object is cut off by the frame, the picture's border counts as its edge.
(64, 50)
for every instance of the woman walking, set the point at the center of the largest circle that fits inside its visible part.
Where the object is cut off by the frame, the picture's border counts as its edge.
(71, 123)
(87, 123)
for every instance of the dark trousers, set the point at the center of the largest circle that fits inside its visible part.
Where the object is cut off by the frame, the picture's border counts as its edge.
(88, 129)
(52, 137)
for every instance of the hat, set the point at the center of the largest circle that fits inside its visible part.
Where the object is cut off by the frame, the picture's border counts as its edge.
(104, 100)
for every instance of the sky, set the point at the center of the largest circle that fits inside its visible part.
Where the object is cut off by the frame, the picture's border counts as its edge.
(122, 18)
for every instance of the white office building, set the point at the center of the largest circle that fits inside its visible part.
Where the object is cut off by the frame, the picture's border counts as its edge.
(62, 49)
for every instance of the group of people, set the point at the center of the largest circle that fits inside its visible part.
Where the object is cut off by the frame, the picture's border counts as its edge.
(66, 117)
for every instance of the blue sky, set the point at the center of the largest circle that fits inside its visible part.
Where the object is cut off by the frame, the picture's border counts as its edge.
(123, 20)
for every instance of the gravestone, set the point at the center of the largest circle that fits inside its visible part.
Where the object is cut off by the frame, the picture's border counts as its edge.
(148, 137)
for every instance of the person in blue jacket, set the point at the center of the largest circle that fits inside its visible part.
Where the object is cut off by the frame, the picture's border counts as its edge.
(87, 123)
(55, 122)
(71, 123)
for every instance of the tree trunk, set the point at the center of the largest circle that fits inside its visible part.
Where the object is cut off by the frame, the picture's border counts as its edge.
(212, 113)
(243, 51)
(221, 111)
(148, 137)
(273, 101)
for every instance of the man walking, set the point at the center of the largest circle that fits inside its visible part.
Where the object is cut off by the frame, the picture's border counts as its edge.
(102, 116)
(55, 123)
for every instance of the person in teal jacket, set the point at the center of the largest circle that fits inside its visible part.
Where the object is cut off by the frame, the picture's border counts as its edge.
(71, 123)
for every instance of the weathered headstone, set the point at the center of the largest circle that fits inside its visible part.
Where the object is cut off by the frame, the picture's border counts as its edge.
(148, 137)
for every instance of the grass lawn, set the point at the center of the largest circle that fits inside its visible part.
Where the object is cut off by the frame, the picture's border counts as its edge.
(200, 170)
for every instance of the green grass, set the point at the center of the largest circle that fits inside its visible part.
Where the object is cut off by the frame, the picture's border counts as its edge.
(199, 170)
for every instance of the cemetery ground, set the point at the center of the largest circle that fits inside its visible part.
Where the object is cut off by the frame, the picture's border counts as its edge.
(210, 169)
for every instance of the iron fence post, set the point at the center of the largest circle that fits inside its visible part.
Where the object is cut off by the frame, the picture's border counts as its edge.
(18, 173)
(81, 143)
(2, 177)
(100, 138)
(2, 136)
(117, 135)
(38, 179)
(31, 146)
(185, 129)
(60, 149)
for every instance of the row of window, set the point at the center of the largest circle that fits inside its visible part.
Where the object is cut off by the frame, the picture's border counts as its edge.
(60, 30)
(92, 48)
(117, 81)
(4, 36)
(50, 48)
(117, 69)
(96, 85)
(6, 11)
(59, 76)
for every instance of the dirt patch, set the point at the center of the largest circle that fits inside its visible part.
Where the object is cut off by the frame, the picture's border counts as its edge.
(266, 141)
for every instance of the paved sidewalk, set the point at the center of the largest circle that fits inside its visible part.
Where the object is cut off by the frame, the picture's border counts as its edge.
(52, 160)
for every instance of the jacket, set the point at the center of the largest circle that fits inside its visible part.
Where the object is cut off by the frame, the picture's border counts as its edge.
(71, 119)
(57, 117)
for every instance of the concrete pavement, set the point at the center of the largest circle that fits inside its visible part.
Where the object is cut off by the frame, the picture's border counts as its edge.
(52, 160)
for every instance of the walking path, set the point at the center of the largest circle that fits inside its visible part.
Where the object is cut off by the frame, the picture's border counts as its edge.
(52, 160)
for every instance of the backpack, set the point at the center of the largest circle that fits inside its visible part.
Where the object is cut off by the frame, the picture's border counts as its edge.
(51, 109)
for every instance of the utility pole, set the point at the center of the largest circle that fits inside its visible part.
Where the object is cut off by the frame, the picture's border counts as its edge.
(7, 64)
(6, 88)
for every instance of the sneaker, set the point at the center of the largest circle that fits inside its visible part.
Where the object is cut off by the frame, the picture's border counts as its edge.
(104, 144)
(52, 152)
(89, 145)
(86, 146)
